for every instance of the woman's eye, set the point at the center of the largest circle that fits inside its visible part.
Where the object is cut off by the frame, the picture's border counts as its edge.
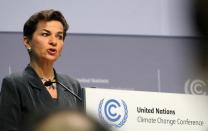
(44, 34)
(60, 37)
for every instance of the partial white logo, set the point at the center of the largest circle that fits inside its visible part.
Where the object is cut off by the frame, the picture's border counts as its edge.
(113, 112)
(196, 87)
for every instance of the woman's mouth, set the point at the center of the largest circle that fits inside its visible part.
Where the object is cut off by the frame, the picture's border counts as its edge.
(52, 51)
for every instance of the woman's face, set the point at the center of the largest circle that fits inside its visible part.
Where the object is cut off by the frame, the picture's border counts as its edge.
(47, 41)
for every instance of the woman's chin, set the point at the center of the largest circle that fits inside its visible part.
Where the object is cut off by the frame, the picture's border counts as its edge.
(50, 59)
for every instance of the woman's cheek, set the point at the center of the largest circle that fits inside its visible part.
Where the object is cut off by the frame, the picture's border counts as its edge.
(60, 51)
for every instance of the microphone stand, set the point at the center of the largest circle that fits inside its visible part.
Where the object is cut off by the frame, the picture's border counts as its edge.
(70, 91)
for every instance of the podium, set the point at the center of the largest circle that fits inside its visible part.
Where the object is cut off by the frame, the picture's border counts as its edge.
(125, 110)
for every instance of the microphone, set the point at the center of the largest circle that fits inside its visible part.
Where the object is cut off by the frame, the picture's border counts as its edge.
(49, 83)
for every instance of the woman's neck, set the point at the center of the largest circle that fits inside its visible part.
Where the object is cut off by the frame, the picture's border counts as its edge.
(44, 70)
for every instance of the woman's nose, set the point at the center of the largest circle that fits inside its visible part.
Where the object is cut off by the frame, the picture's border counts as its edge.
(53, 41)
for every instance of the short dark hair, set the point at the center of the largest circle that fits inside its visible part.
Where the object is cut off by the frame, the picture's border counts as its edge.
(44, 15)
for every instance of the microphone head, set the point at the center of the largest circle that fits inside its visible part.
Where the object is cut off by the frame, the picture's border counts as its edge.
(48, 83)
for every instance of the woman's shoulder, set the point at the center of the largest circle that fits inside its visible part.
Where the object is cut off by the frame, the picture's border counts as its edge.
(12, 81)
(14, 76)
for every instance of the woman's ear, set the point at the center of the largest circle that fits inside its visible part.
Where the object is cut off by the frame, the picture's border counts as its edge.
(27, 42)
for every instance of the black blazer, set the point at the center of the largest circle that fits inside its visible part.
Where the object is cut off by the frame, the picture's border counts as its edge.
(24, 93)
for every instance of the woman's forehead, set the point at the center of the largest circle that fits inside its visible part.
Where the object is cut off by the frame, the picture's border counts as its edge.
(50, 26)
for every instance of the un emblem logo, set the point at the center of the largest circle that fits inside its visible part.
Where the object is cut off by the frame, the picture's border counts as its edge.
(196, 87)
(113, 112)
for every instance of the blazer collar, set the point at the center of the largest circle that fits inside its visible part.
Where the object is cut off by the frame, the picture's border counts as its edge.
(35, 82)
(33, 78)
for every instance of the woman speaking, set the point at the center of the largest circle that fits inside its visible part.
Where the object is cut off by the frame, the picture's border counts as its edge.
(39, 87)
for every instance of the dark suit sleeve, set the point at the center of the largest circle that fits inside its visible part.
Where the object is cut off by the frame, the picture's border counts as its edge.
(79, 93)
(10, 112)
(76, 88)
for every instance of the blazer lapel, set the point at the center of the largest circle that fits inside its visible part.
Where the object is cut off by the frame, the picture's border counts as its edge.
(39, 92)
(42, 97)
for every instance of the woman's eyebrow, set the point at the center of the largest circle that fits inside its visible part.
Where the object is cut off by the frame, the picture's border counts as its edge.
(60, 32)
(46, 30)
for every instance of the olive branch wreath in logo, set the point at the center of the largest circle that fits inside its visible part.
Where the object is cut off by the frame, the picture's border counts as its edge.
(120, 124)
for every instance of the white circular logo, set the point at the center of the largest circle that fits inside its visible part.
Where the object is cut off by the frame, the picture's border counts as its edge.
(113, 112)
(196, 87)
